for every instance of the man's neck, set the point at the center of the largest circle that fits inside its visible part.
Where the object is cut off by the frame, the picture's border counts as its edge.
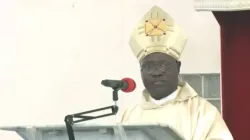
(171, 96)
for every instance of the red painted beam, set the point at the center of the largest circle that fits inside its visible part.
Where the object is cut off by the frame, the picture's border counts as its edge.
(235, 71)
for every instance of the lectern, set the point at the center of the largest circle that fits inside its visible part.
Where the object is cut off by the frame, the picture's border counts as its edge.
(98, 132)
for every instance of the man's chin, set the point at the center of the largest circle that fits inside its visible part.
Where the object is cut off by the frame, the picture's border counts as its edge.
(157, 97)
(159, 93)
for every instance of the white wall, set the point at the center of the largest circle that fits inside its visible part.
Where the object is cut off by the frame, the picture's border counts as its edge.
(54, 53)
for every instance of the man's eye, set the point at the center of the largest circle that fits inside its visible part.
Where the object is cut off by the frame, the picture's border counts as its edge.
(165, 65)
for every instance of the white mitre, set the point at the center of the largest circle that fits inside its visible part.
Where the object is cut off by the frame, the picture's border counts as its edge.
(157, 32)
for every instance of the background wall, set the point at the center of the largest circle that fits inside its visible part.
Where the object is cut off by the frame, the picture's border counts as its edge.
(54, 54)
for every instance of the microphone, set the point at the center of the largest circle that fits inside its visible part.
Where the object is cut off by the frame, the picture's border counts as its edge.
(126, 84)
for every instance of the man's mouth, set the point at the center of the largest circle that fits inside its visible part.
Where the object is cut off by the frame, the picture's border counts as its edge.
(158, 82)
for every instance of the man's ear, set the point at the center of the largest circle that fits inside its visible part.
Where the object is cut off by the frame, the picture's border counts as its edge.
(178, 66)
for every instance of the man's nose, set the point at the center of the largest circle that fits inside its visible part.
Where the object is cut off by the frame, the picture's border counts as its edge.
(157, 73)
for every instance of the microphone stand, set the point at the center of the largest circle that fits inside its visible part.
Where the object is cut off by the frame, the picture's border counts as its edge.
(69, 119)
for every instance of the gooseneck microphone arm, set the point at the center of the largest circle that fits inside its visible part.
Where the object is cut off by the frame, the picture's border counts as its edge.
(69, 119)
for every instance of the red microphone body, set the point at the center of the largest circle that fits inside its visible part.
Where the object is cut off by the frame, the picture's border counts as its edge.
(126, 84)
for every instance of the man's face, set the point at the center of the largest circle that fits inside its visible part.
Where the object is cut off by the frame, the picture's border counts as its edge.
(159, 74)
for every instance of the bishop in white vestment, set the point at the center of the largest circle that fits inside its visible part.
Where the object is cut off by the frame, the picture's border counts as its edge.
(158, 42)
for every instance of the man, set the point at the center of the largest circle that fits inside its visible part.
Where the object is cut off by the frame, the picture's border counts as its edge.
(158, 42)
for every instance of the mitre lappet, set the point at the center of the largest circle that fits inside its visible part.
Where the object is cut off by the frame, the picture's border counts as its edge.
(157, 32)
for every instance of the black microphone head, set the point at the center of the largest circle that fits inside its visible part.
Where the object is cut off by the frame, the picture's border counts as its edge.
(115, 84)
(105, 82)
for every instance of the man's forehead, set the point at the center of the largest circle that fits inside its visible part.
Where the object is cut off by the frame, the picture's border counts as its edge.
(157, 57)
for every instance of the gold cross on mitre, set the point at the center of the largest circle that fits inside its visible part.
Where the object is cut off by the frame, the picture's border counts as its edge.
(156, 22)
(155, 27)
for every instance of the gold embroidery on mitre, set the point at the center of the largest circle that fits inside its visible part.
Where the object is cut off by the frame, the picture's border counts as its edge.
(155, 27)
